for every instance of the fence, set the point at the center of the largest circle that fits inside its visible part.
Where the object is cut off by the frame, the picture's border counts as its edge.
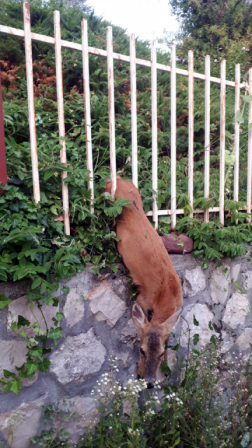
(154, 66)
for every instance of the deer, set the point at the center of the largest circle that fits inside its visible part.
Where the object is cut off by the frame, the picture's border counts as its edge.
(159, 302)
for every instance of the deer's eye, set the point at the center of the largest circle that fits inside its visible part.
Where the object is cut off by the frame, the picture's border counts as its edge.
(161, 355)
(142, 352)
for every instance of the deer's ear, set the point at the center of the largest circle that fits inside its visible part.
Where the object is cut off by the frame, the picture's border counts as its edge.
(171, 321)
(138, 316)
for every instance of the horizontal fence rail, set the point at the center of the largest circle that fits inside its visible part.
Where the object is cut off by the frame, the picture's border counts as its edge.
(154, 67)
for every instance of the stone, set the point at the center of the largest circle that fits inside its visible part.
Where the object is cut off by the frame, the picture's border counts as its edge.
(203, 316)
(245, 339)
(173, 243)
(105, 304)
(13, 290)
(129, 334)
(74, 307)
(194, 281)
(227, 342)
(219, 284)
(87, 415)
(235, 270)
(122, 360)
(21, 307)
(20, 424)
(77, 358)
(13, 353)
(247, 280)
(237, 308)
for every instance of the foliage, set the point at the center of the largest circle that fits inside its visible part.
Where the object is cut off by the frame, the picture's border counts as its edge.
(32, 244)
(192, 412)
(220, 28)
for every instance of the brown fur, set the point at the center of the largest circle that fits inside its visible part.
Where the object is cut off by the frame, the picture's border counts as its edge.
(149, 264)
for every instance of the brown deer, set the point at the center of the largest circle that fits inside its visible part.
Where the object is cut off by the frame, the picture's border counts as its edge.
(160, 291)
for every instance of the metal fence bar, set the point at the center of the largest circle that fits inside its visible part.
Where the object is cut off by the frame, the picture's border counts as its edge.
(207, 134)
(30, 97)
(99, 52)
(154, 129)
(110, 55)
(110, 63)
(237, 134)
(86, 95)
(173, 137)
(133, 109)
(190, 127)
(222, 139)
(249, 173)
(61, 120)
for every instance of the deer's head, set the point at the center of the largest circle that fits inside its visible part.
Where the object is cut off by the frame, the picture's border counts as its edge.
(152, 341)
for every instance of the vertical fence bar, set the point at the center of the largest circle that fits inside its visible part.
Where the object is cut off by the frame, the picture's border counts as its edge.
(111, 109)
(249, 172)
(173, 137)
(3, 167)
(190, 127)
(222, 139)
(237, 134)
(207, 134)
(154, 129)
(30, 95)
(133, 109)
(61, 120)
(86, 95)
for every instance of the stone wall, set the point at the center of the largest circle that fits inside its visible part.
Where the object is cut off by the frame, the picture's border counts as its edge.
(98, 325)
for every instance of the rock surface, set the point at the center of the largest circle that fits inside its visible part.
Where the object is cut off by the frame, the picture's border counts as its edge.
(74, 307)
(21, 307)
(236, 311)
(78, 357)
(22, 423)
(194, 281)
(105, 304)
(219, 284)
(245, 339)
(203, 316)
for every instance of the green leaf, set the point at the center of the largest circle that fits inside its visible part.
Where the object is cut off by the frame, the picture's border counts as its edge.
(8, 374)
(36, 283)
(196, 339)
(22, 322)
(20, 175)
(55, 334)
(44, 365)
(210, 325)
(239, 117)
(60, 316)
(65, 290)
(195, 322)
(4, 301)
(14, 386)
(247, 98)
(22, 333)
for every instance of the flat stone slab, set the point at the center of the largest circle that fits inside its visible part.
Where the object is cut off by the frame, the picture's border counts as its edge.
(21, 307)
(203, 315)
(219, 284)
(13, 353)
(245, 339)
(105, 304)
(74, 307)
(194, 282)
(236, 311)
(86, 410)
(78, 357)
(24, 421)
(247, 280)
